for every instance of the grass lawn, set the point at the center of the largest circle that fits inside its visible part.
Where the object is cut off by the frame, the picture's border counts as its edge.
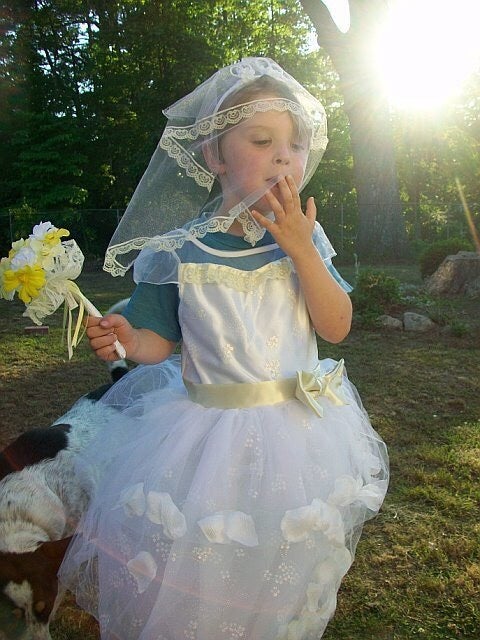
(417, 569)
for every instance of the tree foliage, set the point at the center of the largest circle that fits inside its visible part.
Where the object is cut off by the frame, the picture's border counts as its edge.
(83, 85)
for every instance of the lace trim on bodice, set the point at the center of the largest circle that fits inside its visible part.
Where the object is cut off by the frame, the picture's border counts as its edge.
(243, 281)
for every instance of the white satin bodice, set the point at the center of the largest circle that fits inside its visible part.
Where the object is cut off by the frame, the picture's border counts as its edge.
(243, 326)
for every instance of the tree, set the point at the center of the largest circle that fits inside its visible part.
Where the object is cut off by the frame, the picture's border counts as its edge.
(434, 149)
(41, 124)
(381, 228)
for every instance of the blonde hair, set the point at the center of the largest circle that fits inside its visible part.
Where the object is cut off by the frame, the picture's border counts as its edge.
(257, 88)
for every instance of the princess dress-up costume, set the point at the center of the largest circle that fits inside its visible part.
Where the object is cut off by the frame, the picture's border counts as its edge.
(230, 492)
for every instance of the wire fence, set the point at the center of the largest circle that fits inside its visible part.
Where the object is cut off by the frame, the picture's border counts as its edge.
(93, 228)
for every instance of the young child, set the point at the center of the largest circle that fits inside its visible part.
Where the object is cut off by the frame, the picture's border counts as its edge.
(229, 494)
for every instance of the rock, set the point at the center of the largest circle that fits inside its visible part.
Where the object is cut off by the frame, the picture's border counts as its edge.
(390, 322)
(458, 274)
(417, 322)
(472, 289)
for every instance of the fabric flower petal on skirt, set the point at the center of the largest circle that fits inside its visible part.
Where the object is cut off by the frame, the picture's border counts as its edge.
(162, 510)
(297, 524)
(132, 499)
(348, 490)
(143, 568)
(334, 567)
(225, 527)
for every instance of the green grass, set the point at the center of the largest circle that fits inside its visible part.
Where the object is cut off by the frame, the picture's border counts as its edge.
(417, 568)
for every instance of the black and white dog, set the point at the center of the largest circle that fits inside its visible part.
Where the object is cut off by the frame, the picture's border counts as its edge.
(40, 505)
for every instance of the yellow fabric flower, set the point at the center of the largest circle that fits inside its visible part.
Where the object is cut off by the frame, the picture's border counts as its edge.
(52, 237)
(27, 280)
(46, 237)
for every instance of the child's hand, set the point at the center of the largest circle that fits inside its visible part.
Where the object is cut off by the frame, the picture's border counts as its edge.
(292, 229)
(102, 333)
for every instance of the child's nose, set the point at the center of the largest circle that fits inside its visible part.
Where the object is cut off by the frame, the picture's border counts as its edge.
(282, 155)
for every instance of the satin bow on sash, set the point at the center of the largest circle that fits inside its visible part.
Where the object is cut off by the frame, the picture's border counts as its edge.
(311, 385)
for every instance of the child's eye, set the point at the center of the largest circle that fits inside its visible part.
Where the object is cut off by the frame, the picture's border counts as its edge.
(298, 146)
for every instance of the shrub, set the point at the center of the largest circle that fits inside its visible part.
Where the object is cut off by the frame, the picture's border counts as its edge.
(374, 292)
(436, 253)
(459, 328)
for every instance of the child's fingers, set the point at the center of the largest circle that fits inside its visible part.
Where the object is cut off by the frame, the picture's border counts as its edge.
(261, 219)
(104, 346)
(287, 206)
(91, 321)
(112, 321)
(97, 327)
(107, 353)
(294, 194)
(311, 209)
(99, 342)
(275, 205)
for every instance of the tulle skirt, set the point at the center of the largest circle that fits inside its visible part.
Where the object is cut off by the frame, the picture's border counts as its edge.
(212, 524)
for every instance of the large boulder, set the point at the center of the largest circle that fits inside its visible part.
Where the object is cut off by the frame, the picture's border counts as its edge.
(458, 274)
(417, 322)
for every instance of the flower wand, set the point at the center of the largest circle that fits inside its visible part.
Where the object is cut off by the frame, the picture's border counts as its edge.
(41, 270)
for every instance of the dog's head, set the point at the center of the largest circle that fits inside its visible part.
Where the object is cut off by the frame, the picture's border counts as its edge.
(28, 582)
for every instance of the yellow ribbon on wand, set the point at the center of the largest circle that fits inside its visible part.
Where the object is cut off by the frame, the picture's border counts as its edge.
(74, 298)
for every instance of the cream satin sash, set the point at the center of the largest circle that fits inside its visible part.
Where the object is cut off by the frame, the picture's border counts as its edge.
(307, 387)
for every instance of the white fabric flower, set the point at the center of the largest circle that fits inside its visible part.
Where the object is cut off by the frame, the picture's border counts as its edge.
(143, 568)
(297, 524)
(333, 568)
(244, 71)
(162, 510)
(225, 527)
(327, 609)
(18, 244)
(348, 490)
(133, 501)
(314, 591)
(373, 464)
(39, 231)
(296, 629)
(25, 256)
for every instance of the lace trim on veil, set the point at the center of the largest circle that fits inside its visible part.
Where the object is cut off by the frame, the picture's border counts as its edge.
(171, 136)
(174, 240)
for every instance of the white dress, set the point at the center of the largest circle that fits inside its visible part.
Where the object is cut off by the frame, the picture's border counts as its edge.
(228, 521)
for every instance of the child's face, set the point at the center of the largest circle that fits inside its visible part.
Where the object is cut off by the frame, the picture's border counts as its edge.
(261, 148)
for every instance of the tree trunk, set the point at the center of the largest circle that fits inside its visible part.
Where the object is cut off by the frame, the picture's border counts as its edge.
(381, 227)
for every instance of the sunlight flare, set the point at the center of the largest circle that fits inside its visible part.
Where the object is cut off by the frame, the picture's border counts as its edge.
(340, 12)
(426, 50)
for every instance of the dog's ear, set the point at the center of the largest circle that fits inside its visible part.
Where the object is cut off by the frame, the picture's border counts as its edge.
(32, 447)
(54, 549)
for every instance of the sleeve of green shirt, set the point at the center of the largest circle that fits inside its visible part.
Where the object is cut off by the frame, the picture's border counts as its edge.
(155, 307)
(343, 283)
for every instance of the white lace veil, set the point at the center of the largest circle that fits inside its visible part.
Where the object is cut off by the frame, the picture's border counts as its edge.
(179, 196)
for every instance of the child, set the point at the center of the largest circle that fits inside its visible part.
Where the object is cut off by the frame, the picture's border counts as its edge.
(229, 496)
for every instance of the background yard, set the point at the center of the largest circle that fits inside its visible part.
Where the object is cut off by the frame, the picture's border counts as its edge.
(417, 569)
